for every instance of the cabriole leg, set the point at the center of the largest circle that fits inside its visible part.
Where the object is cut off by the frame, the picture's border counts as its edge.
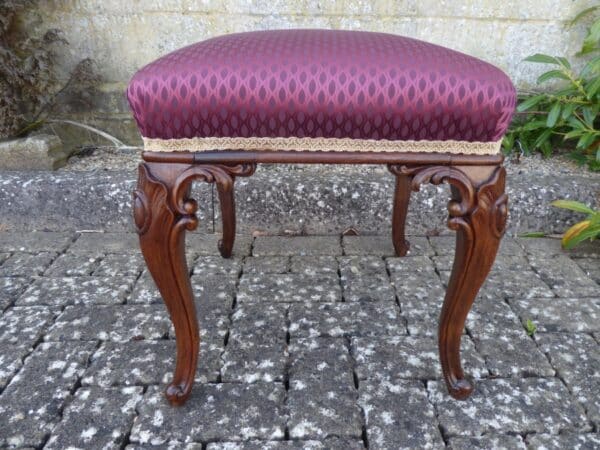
(478, 213)
(161, 219)
(479, 228)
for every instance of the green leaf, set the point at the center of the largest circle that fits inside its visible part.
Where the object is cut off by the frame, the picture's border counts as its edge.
(576, 123)
(589, 116)
(541, 58)
(592, 67)
(534, 125)
(508, 142)
(568, 110)
(582, 14)
(533, 234)
(590, 42)
(557, 73)
(553, 115)
(546, 149)
(573, 134)
(530, 102)
(530, 327)
(593, 87)
(573, 206)
(546, 134)
(564, 62)
(586, 140)
(590, 233)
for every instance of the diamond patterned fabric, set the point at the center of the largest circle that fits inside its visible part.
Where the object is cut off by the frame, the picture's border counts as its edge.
(321, 84)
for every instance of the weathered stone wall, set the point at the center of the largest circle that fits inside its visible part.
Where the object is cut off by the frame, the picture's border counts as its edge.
(123, 35)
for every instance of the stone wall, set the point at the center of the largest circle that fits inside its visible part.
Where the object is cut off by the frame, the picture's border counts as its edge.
(123, 35)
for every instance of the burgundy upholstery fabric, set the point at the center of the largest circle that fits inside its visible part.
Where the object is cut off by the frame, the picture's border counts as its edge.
(321, 83)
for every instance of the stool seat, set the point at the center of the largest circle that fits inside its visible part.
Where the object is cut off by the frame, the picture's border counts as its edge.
(321, 90)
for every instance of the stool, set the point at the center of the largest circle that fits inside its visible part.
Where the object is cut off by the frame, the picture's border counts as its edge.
(214, 110)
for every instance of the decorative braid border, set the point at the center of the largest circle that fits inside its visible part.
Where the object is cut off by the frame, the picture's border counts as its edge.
(204, 144)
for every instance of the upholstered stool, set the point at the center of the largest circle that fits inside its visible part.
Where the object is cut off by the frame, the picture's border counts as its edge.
(214, 110)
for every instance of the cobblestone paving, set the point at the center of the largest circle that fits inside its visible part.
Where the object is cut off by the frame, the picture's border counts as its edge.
(307, 343)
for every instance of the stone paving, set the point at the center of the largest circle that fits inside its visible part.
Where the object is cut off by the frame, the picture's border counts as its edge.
(307, 343)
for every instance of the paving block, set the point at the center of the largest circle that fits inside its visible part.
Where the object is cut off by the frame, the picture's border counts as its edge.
(359, 266)
(118, 264)
(540, 405)
(332, 443)
(314, 265)
(35, 241)
(31, 404)
(106, 243)
(576, 358)
(575, 315)
(217, 265)
(260, 322)
(346, 319)
(97, 417)
(26, 264)
(214, 412)
(565, 277)
(492, 317)
(11, 360)
(398, 415)
(321, 408)
(495, 441)
(206, 244)
(409, 357)
(513, 355)
(247, 360)
(412, 264)
(88, 291)
(587, 441)
(288, 288)
(324, 359)
(382, 246)
(10, 289)
(296, 245)
(266, 264)
(25, 325)
(110, 323)
(138, 363)
(73, 265)
(367, 288)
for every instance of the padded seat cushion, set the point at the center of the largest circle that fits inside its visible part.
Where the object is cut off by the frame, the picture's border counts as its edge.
(321, 90)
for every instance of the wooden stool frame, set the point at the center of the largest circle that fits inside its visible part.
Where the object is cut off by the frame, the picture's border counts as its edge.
(163, 211)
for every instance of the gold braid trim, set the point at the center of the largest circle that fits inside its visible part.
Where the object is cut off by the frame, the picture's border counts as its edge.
(203, 144)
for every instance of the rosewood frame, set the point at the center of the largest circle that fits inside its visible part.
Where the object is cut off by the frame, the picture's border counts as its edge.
(163, 211)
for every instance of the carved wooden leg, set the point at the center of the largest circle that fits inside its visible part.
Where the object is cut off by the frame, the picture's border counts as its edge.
(227, 202)
(162, 212)
(401, 200)
(478, 233)
(478, 212)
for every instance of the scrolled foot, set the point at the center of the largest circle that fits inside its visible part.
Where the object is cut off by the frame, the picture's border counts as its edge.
(460, 389)
(401, 247)
(177, 394)
(225, 250)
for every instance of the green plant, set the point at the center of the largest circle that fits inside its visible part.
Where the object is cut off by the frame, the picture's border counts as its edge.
(29, 85)
(530, 327)
(588, 229)
(568, 114)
